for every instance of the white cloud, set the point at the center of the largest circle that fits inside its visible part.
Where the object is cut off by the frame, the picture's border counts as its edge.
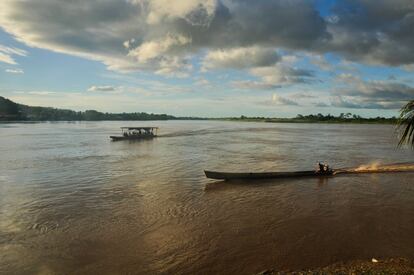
(102, 89)
(196, 12)
(14, 71)
(146, 88)
(154, 49)
(408, 68)
(279, 100)
(12, 50)
(203, 82)
(160, 56)
(6, 54)
(282, 75)
(240, 58)
(348, 78)
(290, 59)
(174, 66)
(321, 62)
(276, 76)
(254, 85)
(7, 59)
(41, 93)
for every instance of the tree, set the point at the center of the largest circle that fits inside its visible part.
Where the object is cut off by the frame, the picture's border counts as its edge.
(406, 122)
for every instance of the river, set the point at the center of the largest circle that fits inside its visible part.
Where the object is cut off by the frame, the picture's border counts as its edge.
(73, 202)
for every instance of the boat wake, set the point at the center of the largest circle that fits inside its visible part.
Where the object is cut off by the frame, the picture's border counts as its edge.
(377, 167)
(214, 131)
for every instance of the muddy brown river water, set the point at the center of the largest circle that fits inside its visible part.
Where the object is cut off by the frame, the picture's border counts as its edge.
(72, 202)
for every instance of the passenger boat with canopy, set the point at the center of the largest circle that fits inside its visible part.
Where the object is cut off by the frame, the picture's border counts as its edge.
(136, 133)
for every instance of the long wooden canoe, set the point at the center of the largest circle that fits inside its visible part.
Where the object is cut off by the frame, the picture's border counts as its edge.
(299, 174)
(264, 175)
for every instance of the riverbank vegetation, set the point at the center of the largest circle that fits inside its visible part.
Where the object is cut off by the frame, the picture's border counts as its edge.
(406, 123)
(320, 118)
(11, 111)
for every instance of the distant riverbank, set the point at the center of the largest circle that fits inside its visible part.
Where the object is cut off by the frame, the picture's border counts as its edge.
(316, 119)
(15, 112)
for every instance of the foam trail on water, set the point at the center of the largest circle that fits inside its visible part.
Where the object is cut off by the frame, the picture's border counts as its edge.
(370, 167)
(378, 167)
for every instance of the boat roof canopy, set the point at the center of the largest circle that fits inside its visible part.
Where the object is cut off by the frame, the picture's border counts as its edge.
(139, 128)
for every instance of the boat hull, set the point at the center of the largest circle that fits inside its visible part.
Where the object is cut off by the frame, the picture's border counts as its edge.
(263, 175)
(119, 138)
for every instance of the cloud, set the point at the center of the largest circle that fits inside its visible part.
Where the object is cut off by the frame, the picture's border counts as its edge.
(278, 100)
(102, 89)
(203, 82)
(154, 49)
(7, 59)
(14, 71)
(159, 35)
(253, 85)
(358, 93)
(160, 56)
(321, 62)
(321, 105)
(240, 58)
(378, 90)
(168, 37)
(6, 54)
(12, 50)
(93, 29)
(274, 77)
(378, 32)
(348, 78)
(41, 93)
(146, 88)
(303, 95)
(408, 68)
(195, 12)
(282, 75)
(341, 102)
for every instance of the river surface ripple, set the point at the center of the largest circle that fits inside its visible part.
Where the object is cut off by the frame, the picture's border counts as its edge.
(72, 202)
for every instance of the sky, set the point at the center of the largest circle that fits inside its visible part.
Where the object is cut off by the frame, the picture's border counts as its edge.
(210, 58)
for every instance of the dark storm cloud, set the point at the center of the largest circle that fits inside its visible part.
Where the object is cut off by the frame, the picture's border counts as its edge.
(380, 31)
(290, 24)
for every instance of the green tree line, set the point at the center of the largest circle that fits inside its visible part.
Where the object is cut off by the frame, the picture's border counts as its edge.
(11, 111)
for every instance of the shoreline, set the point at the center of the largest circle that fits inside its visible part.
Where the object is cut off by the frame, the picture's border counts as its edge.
(386, 266)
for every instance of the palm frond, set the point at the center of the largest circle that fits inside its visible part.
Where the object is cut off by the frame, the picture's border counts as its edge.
(406, 122)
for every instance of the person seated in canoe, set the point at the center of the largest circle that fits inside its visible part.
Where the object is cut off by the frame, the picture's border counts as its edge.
(323, 168)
